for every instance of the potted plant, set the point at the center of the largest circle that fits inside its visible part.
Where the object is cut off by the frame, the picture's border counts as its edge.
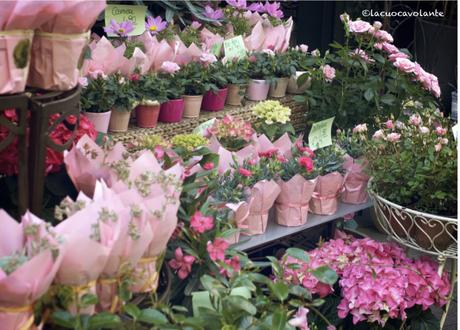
(233, 133)
(192, 76)
(272, 119)
(238, 77)
(151, 92)
(282, 68)
(328, 161)
(302, 62)
(356, 178)
(185, 144)
(413, 166)
(97, 100)
(172, 110)
(261, 74)
(215, 86)
(297, 183)
(125, 100)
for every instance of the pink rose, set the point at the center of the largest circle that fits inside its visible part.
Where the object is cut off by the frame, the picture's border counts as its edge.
(303, 48)
(444, 141)
(316, 53)
(329, 73)
(415, 120)
(378, 135)
(389, 124)
(344, 17)
(389, 48)
(441, 131)
(438, 147)
(395, 56)
(404, 65)
(359, 26)
(208, 58)
(393, 137)
(169, 67)
(424, 130)
(361, 128)
(377, 25)
(383, 35)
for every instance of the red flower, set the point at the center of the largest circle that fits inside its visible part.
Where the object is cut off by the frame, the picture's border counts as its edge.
(307, 163)
(201, 223)
(135, 77)
(183, 264)
(217, 249)
(208, 166)
(234, 263)
(269, 153)
(252, 59)
(244, 172)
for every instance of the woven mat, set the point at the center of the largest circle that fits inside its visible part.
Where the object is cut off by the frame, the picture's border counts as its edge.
(168, 130)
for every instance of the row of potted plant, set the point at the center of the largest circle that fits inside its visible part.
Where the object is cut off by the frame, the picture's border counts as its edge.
(178, 92)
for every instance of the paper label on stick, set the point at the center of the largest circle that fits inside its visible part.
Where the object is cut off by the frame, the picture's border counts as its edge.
(235, 47)
(320, 134)
(120, 13)
(216, 49)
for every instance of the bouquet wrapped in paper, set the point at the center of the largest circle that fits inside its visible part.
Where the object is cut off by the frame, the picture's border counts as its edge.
(210, 39)
(240, 214)
(283, 145)
(91, 230)
(226, 157)
(105, 58)
(355, 184)
(59, 43)
(266, 36)
(325, 198)
(30, 254)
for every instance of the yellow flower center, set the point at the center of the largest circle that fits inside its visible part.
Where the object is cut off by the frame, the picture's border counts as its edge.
(153, 28)
(121, 30)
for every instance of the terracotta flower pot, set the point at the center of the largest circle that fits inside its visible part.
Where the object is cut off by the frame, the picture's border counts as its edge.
(257, 90)
(147, 115)
(214, 101)
(235, 94)
(119, 120)
(278, 90)
(192, 105)
(100, 120)
(293, 88)
(171, 111)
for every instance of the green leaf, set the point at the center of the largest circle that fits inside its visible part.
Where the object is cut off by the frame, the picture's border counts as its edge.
(279, 320)
(379, 58)
(325, 274)
(369, 94)
(298, 254)
(210, 283)
(299, 98)
(132, 310)
(280, 290)
(88, 300)
(103, 320)
(63, 319)
(300, 291)
(153, 316)
(241, 304)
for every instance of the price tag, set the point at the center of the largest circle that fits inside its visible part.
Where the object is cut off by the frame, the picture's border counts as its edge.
(203, 127)
(120, 13)
(320, 134)
(235, 47)
(216, 49)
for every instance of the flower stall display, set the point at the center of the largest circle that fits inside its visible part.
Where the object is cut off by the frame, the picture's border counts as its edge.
(283, 68)
(216, 87)
(356, 178)
(172, 110)
(30, 255)
(260, 75)
(301, 60)
(329, 162)
(238, 77)
(413, 164)
(272, 119)
(378, 284)
(125, 100)
(191, 77)
(297, 183)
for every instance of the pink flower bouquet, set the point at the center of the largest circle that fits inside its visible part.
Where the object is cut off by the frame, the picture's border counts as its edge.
(326, 195)
(30, 254)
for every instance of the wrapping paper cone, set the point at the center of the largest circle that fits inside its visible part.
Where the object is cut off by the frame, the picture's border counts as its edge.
(292, 203)
(23, 15)
(263, 195)
(355, 183)
(138, 60)
(226, 156)
(256, 39)
(160, 53)
(209, 39)
(15, 47)
(55, 58)
(21, 288)
(105, 58)
(325, 197)
(240, 214)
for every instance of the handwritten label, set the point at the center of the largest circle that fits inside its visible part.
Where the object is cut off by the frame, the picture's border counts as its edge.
(120, 13)
(320, 134)
(235, 47)
(202, 129)
(216, 49)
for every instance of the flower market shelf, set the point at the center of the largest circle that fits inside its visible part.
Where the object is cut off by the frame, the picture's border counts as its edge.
(275, 231)
(187, 125)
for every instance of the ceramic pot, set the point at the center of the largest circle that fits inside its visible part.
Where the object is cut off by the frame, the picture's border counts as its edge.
(147, 115)
(293, 88)
(119, 121)
(257, 90)
(235, 94)
(192, 105)
(214, 101)
(278, 90)
(100, 120)
(171, 111)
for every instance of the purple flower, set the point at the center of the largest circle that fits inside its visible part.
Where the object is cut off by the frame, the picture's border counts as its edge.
(121, 29)
(238, 4)
(273, 9)
(195, 25)
(209, 12)
(257, 6)
(155, 25)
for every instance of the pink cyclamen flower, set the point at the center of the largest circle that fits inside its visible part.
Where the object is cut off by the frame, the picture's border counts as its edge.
(238, 4)
(415, 120)
(404, 65)
(300, 319)
(441, 131)
(195, 25)
(359, 26)
(257, 7)
(201, 223)
(170, 67)
(183, 264)
(208, 58)
(121, 29)
(273, 9)
(155, 25)
(208, 166)
(361, 128)
(244, 172)
(217, 249)
(209, 12)
(328, 72)
(378, 135)
(389, 124)
(83, 81)
(393, 137)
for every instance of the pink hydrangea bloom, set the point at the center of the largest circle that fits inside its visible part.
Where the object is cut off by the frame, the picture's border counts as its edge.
(217, 249)
(201, 223)
(183, 264)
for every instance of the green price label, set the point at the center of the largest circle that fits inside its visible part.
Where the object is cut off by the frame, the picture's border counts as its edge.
(120, 13)
(320, 134)
(235, 47)
(203, 127)
(216, 49)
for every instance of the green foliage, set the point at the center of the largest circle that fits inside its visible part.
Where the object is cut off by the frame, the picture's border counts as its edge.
(352, 143)
(131, 45)
(174, 85)
(329, 159)
(237, 71)
(216, 77)
(260, 66)
(192, 77)
(98, 95)
(190, 36)
(150, 87)
(282, 65)
(123, 92)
